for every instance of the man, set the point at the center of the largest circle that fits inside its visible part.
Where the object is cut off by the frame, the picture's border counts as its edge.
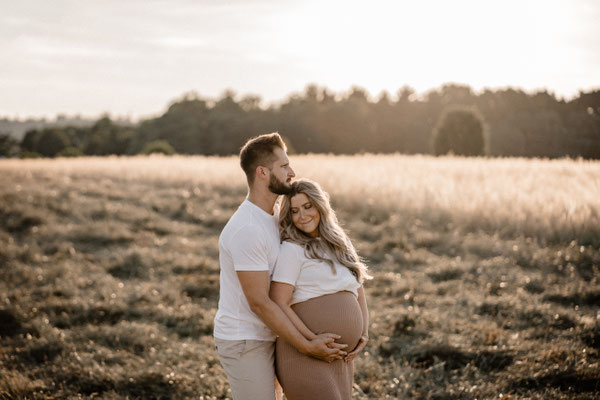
(247, 319)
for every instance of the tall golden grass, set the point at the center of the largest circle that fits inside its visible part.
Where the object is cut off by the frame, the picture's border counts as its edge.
(554, 200)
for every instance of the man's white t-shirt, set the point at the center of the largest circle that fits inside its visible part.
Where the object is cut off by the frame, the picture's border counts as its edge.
(310, 277)
(249, 242)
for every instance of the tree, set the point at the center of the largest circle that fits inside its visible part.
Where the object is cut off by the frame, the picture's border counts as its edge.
(319, 121)
(8, 145)
(30, 154)
(29, 142)
(52, 141)
(183, 126)
(158, 146)
(299, 118)
(70, 152)
(460, 131)
(405, 94)
(105, 137)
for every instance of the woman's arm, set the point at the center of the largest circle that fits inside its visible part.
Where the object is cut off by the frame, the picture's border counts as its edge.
(255, 285)
(281, 294)
(362, 302)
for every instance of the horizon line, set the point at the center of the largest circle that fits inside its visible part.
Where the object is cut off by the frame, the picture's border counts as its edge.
(416, 96)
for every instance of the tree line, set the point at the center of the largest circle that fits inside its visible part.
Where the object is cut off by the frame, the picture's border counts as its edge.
(513, 123)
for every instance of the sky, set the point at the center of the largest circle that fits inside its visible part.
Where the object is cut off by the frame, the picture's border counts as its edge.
(131, 58)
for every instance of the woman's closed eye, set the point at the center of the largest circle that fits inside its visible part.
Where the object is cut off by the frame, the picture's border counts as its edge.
(306, 206)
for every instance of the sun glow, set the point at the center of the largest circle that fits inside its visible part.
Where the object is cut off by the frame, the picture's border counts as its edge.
(152, 53)
(384, 45)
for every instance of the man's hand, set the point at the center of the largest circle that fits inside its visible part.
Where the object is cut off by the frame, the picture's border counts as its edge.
(256, 289)
(359, 347)
(324, 347)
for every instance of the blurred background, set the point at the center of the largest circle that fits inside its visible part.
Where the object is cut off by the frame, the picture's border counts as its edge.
(200, 77)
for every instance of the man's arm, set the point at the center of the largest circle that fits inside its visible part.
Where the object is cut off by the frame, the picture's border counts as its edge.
(282, 294)
(256, 289)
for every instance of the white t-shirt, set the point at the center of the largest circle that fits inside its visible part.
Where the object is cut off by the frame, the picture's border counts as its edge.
(249, 242)
(311, 278)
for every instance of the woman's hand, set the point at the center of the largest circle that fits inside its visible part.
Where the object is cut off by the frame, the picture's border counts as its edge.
(359, 347)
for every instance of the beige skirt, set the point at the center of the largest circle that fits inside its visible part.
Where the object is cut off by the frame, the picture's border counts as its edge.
(304, 377)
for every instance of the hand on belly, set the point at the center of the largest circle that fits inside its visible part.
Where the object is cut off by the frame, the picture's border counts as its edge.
(337, 313)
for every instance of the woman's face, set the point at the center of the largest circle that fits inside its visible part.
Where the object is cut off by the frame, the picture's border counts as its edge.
(305, 216)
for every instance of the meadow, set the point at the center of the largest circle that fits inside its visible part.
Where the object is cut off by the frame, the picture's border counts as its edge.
(486, 274)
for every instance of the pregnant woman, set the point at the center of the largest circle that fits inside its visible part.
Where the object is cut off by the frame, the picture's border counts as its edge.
(317, 282)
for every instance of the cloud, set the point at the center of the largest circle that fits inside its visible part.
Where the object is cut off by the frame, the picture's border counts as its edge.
(180, 42)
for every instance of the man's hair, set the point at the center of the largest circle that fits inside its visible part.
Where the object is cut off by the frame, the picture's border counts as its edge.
(259, 151)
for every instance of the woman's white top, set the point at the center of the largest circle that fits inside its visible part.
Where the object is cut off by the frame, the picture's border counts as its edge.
(310, 277)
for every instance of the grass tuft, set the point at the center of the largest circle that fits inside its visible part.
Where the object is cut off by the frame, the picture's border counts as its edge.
(16, 385)
(445, 274)
(16, 221)
(132, 267)
(588, 298)
(10, 324)
(568, 382)
(44, 350)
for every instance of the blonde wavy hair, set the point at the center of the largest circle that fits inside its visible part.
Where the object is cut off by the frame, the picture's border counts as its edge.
(332, 238)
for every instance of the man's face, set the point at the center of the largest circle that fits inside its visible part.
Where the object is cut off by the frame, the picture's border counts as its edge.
(281, 173)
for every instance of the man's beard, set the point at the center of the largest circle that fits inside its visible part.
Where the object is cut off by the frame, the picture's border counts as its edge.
(278, 187)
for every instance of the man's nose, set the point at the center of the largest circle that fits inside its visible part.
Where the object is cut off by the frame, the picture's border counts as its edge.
(291, 174)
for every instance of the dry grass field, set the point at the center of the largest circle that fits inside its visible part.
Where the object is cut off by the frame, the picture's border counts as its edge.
(487, 281)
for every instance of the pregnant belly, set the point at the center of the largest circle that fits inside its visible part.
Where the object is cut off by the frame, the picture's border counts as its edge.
(333, 313)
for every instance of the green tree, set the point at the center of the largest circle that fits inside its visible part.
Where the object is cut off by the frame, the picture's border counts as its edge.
(227, 127)
(69, 152)
(319, 121)
(51, 141)
(299, 119)
(460, 131)
(8, 145)
(30, 140)
(184, 126)
(105, 137)
(350, 124)
(30, 154)
(158, 146)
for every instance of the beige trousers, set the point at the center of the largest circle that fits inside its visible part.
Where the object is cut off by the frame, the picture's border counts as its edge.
(250, 368)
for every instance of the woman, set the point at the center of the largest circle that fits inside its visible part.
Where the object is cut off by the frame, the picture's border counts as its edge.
(317, 282)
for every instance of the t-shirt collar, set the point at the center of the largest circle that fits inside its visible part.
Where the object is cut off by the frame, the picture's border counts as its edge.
(263, 212)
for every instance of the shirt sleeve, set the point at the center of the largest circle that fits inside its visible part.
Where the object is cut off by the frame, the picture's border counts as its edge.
(289, 264)
(249, 250)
